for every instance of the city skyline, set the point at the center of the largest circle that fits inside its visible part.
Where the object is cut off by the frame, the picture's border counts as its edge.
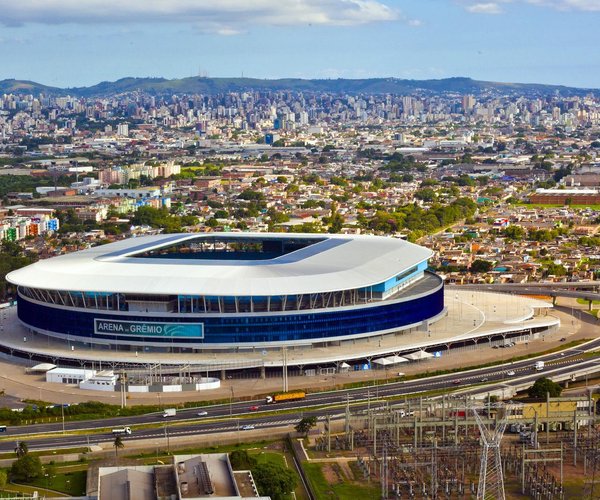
(63, 43)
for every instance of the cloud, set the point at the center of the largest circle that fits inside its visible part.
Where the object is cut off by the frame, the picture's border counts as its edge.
(495, 7)
(584, 5)
(219, 16)
(484, 8)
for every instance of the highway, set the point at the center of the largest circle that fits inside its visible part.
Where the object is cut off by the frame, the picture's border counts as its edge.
(189, 423)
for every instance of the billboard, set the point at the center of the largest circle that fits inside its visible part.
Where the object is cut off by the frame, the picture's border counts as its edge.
(148, 328)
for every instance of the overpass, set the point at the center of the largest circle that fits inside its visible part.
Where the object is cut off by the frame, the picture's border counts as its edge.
(573, 285)
(553, 290)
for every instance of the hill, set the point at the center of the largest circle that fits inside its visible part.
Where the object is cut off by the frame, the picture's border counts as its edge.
(197, 85)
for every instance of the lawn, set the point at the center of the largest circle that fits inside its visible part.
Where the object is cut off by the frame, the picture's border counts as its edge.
(347, 490)
(151, 457)
(274, 458)
(586, 302)
(277, 458)
(71, 483)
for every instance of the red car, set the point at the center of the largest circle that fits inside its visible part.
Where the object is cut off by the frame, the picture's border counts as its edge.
(253, 408)
(456, 382)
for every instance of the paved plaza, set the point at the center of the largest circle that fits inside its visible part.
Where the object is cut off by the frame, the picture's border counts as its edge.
(470, 315)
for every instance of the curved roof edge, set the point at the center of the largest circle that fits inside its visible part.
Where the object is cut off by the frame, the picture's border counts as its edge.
(337, 262)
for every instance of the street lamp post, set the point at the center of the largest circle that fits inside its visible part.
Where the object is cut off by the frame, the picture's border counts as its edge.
(167, 438)
(62, 413)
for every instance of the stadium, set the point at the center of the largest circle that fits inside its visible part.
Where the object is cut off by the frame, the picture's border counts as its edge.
(213, 292)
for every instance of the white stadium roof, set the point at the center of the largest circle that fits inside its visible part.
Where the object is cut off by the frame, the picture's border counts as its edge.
(334, 262)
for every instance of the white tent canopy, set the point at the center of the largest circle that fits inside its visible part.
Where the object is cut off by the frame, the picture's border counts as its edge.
(390, 360)
(418, 355)
(42, 367)
(397, 359)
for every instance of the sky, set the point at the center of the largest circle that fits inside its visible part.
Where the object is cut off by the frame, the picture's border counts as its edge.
(70, 43)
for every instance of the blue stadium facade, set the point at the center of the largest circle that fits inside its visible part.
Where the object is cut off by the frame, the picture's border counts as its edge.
(190, 292)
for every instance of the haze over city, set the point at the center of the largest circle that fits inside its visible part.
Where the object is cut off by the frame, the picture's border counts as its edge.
(66, 43)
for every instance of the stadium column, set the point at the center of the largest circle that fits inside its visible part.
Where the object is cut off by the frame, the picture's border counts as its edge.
(263, 374)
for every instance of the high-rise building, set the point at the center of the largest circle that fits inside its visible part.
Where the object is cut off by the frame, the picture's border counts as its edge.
(468, 103)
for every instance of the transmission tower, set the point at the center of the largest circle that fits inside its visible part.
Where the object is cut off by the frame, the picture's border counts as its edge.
(491, 480)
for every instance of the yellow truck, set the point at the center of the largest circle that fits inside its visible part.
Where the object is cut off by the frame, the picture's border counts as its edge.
(285, 396)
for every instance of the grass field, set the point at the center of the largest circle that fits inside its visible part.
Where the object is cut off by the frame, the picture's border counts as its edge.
(586, 302)
(337, 485)
(71, 483)
(150, 458)
(278, 459)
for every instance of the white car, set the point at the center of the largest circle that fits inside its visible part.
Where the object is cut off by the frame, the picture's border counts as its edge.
(510, 373)
(247, 427)
(202, 413)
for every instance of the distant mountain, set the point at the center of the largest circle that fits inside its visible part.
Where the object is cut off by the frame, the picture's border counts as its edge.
(197, 85)
(12, 86)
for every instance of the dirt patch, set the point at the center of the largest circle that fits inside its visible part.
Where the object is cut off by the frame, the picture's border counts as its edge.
(275, 446)
(346, 470)
(330, 474)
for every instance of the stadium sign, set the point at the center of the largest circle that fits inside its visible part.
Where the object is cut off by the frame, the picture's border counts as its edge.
(152, 329)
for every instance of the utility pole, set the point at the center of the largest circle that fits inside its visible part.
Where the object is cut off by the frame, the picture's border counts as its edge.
(285, 371)
(123, 380)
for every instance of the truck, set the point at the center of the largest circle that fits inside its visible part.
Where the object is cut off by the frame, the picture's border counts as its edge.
(285, 396)
(170, 412)
(122, 431)
(539, 366)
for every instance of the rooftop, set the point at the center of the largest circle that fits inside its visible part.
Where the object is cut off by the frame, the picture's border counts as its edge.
(301, 263)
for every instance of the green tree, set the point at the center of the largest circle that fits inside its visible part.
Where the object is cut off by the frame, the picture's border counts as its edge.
(22, 449)
(250, 195)
(336, 221)
(274, 480)
(118, 444)
(26, 469)
(481, 266)
(305, 425)
(427, 195)
(542, 386)
(221, 214)
(554, 269)
(515, 232)
(241, 460)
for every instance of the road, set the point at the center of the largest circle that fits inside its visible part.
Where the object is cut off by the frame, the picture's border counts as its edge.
(240, 413)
